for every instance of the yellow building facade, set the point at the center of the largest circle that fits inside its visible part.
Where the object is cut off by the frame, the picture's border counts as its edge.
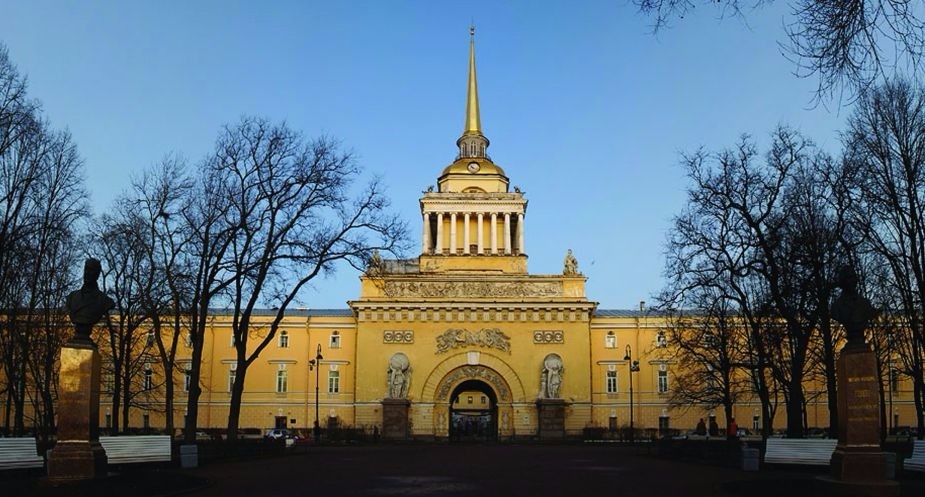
(463, 338)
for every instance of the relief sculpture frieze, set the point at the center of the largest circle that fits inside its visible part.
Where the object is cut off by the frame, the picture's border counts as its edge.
(492, 338)
(472, 289)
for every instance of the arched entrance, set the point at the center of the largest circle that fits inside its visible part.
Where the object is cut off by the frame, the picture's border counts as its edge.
(473, 412)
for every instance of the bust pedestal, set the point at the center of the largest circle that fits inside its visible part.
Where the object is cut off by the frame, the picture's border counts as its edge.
(395, 424)
(78, 454)
(550, 419)
(858, 465)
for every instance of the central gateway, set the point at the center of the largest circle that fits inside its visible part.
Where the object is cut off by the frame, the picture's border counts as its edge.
(473, 413)
(466, 320)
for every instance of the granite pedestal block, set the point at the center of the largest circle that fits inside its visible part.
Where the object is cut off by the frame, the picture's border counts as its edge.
(78, 454)
(551, 419)
(395, 424)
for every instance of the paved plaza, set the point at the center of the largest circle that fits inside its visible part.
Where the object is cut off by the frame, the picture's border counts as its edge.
(488, 470)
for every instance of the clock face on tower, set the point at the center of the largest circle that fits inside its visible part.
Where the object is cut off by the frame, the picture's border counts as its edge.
(473, 167)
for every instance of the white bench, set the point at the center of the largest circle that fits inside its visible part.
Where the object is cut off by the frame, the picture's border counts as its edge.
(812, 451)
(140, 448)
(18, 453)
(917, 461)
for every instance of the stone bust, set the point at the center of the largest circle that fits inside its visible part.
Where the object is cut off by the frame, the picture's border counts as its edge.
(87, 305)
(851, 309)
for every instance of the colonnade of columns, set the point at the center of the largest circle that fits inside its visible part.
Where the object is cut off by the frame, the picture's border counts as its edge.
(509, 245)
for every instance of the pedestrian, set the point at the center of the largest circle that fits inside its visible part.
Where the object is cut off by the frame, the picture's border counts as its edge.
(732, 432)
(714, 428)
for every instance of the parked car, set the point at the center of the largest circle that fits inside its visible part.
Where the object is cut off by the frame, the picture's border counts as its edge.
(280, 433)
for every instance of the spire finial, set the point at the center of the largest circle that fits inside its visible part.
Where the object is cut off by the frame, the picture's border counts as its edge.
(472, 143)
(473, 121)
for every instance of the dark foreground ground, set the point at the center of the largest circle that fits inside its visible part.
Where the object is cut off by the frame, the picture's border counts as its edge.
(452, 470)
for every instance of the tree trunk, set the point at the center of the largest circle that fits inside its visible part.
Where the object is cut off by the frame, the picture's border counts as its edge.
(831, 382)
(168, 399)
(237, 393)
(192, 400)
(116, 402)
(795, 403)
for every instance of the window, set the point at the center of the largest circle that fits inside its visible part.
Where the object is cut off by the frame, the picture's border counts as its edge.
(146, 420)
(661, 341)
(109, 383)
(232, 373)
(333, 381)
(187, 377)
(148, 379)
(150, 339)
(611, 381)
(335, 340)
(756, 423)
(108, 420)
(282, 379)
(662, 379)
(894, 379)
(189, 338)
(610, 340)
(284, 339)
(484, 400)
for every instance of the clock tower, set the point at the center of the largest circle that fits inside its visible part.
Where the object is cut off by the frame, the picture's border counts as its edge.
(473, 222)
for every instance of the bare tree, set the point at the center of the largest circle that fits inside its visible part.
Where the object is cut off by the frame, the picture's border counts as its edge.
(847, 44)
(128, 277)
(708, 344)
(42, 204)
(289, 200)
(761, 232)
(886, 139)
(161, 194)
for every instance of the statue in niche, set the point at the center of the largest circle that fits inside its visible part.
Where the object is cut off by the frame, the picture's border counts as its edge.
(399, 376)
(87, 305)
(551, 378)
(374, 268)
(570, 265)
(852, 309)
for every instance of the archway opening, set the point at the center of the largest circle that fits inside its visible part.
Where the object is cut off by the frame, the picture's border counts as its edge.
(473, 412)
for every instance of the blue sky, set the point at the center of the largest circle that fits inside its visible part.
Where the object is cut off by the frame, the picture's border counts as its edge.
(586, 109)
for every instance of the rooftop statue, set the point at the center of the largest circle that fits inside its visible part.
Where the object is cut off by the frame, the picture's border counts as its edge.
(87, 305)
(570, 265)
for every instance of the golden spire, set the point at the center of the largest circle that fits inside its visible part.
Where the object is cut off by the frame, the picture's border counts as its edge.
(473, 122)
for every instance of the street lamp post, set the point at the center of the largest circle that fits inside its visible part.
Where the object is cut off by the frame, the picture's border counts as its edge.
(312, 363)
(633, 368)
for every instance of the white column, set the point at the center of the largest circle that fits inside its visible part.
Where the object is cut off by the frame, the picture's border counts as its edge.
(479, 229)
(507, 233)
(466, 233)
(438, 248)
(453, 233)
(425, 238)
(520, 233)
(494, 233)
